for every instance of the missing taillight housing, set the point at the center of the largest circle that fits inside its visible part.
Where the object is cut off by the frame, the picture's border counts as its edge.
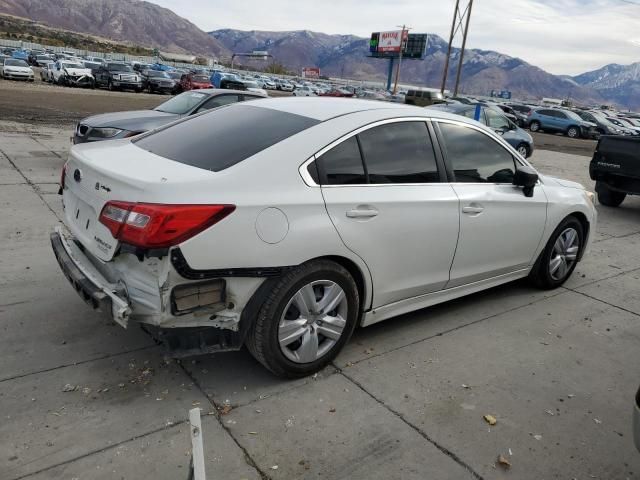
(154, 225)
(193, 296)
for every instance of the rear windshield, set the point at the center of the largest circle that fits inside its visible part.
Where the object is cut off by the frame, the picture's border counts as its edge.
(224, 136)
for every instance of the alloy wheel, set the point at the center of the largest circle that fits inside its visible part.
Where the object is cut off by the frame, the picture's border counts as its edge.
(564, 254)
(313, 321)
(522, 150)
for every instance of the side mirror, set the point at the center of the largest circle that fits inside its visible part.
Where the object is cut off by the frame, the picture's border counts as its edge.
(525, 177)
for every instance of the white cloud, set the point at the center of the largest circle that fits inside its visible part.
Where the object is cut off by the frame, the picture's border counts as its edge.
(561, 36)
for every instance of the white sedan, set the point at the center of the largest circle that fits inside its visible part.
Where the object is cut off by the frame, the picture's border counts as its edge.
(304, 91)
(15, 69)
(284, 224)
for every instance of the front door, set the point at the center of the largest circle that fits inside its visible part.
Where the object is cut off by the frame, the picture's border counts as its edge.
(500, 228)
(384, 195)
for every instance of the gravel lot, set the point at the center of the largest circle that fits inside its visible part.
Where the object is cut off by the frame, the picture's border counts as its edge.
(405, 399)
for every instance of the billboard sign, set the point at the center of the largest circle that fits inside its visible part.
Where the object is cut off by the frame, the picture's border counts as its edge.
(501, 94)
(310, 72)
(391, 41)
(415, 46)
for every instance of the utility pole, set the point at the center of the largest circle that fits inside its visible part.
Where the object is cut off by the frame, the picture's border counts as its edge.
(459, 17)
(402, 45)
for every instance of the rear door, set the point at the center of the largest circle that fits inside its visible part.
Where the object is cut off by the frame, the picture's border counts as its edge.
(385, 195)
(500, 228)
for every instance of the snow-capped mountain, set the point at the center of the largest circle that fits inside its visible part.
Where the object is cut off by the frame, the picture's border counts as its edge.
(618, 83)
(346, 56)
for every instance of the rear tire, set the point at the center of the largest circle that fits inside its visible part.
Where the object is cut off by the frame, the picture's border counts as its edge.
(279, 320)
(608, 197)
(557, 261)
(534, 126)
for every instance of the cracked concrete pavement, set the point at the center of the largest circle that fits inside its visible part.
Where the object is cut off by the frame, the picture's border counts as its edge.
(405, 399)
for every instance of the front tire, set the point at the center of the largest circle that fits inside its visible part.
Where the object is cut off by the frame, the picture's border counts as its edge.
(534, 126)
(560, 256)
(523, 150)
(305, 320)
(607, 197)
(573, 132)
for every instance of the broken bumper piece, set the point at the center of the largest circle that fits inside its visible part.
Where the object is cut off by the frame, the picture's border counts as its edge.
(92, 287)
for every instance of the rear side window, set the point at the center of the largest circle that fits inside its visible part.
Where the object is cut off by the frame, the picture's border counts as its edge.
(399, 153)
(475, 157)
(342, 165)
(224, 136)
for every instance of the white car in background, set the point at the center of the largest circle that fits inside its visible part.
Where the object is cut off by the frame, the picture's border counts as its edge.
(46, 72)
(72, 73)
(15, 69)
(304, 91)
(285, 223)
(253, 86)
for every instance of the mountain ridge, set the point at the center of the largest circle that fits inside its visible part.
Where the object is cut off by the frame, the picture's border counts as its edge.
(147, 24)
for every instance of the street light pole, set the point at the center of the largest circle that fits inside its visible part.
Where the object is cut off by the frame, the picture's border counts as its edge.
(395, 85)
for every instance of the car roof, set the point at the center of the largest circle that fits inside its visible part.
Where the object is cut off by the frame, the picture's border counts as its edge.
(324, 108)
(220, 91)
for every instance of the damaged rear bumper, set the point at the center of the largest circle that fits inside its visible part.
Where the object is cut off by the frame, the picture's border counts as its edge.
(92, 287)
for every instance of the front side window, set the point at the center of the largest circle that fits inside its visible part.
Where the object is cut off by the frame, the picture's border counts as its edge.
(475, 157)
(399, 153)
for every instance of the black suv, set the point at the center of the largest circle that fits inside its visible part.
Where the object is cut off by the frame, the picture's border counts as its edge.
(117, 76)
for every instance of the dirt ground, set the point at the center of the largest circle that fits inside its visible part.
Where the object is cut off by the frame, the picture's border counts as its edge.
(52, 105)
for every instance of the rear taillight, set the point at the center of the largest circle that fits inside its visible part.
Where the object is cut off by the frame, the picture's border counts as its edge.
(63, 175)
(154, 225)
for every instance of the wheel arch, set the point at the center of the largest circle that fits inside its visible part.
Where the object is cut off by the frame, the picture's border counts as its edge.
(357, 275)
(252, 307)
(586, 227)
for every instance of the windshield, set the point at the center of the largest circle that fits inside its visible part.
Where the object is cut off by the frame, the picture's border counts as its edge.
(157, 74)
(72, 65)
(572, 115)
(119, 67)
(200, 78)
(181, 104)
(174, 75)
(15, 63)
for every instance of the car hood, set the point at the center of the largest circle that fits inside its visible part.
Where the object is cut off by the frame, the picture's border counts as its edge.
(134, 120)
(561, 182)
(588, 124)
(18, 69)
(78, 71)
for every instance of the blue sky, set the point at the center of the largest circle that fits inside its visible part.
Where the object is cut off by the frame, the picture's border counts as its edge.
(561, 36)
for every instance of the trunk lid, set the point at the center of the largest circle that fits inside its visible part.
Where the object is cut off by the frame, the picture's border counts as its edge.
(97, 173)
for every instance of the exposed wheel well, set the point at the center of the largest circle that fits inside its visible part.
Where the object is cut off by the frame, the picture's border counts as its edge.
(355, 272)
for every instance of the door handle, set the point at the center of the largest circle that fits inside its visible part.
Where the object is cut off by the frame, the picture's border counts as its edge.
(362, 213)
(473, 209)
